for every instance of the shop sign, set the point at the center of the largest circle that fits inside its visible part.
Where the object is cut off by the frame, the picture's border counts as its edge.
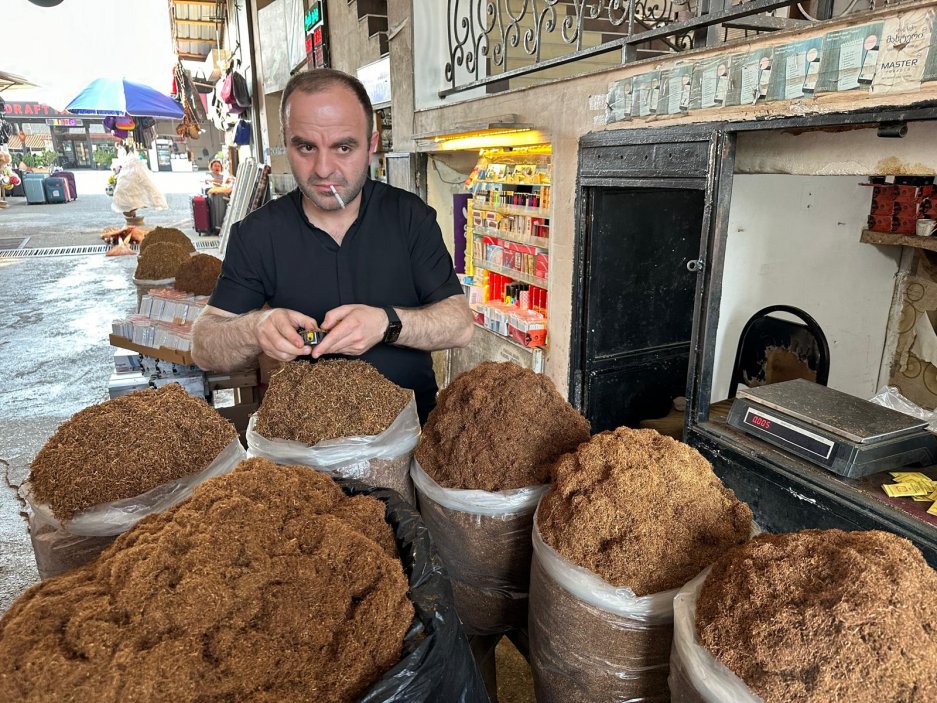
(64, 122)
(313, 16)
(32, 109)
(376, 80)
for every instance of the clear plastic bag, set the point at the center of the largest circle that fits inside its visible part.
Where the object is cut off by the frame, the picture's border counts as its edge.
(695, 675)
(891, 397)
(484, 539)
(60, 546)
(377, 460)
(591, 641)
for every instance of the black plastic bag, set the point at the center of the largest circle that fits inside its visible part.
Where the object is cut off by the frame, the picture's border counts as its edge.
(436, 664)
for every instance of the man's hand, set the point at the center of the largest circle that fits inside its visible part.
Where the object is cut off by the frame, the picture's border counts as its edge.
(352, 329)
(276, 333)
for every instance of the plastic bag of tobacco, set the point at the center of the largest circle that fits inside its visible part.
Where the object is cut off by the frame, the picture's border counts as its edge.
(61, 545)
(484, 539)
(437, 664)
(591, 641)
(376, 460)
(695, 675)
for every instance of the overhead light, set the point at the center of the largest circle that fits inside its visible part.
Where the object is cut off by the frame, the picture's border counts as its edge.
(502, 136)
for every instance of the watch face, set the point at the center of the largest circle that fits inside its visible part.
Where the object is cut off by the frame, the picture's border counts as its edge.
(393, 332)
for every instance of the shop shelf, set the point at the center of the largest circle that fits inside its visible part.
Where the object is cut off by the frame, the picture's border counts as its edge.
(182, 358)
(539, 242)
(512, 183)
(905, 240)
(513, 210)
(511, 273)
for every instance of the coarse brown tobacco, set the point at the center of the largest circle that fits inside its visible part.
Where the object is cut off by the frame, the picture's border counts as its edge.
(160, 261)
(497, 427)
(125, 446)
(198, 275)
(825, 616)
(162, 235)
(312, 402)
(641, 510)
(268, 584)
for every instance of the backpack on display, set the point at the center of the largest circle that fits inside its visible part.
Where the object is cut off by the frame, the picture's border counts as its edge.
(242, 133)
(234, 92)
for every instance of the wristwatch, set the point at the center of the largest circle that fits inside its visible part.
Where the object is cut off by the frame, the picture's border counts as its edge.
(394, 325)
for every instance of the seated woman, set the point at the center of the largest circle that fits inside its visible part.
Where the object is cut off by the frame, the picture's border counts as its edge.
(217, 178)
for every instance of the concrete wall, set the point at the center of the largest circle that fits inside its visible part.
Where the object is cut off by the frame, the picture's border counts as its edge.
(349, 43)
(794, 240)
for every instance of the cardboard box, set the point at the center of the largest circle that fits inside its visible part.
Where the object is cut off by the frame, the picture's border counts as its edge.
(126, 361)
(124, 383)
(528, 328)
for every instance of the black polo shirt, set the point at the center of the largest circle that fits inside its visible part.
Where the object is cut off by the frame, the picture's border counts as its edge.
(393, 254)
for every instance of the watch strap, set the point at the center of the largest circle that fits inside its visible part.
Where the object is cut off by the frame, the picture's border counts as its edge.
(394, 325)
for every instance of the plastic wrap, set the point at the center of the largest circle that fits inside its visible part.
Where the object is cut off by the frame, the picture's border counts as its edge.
(60, 546)
(591, 641)
(891, 397)
(695, 675)
(377, 460)
(484, 539)
(436, 664)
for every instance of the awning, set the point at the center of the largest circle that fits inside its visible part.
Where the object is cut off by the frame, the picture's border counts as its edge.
(33, 141)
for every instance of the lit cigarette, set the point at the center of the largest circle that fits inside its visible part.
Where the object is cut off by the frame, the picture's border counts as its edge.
(338, 197)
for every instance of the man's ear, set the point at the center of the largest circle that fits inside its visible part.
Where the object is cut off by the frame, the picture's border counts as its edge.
(375, 138)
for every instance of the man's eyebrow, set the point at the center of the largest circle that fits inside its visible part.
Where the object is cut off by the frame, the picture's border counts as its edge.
(347, 141)
(299, 141)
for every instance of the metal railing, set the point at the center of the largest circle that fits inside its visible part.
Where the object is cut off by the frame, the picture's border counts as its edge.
(493, 41)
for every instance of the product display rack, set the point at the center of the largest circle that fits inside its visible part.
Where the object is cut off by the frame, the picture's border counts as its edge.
(508, 226)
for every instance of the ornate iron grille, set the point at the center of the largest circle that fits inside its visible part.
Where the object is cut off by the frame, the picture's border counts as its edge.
(494, 40)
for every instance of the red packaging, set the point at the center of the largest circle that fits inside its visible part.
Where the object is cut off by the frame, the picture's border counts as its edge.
(881, 223)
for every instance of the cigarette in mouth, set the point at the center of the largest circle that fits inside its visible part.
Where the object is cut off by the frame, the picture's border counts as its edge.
(338, 197)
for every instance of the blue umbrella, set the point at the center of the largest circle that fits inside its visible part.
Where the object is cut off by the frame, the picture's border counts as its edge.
(114, 96)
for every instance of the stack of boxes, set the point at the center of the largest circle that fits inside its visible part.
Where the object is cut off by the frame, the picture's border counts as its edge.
(897, 207)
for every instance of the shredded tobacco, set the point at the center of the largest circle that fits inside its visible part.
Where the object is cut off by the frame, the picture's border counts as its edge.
(497, 427)
(162, 235)
(313, 402)
(160, 261)
(641, 510)
(198, 275)
(268, 584)
(824, 616)
(126, 446)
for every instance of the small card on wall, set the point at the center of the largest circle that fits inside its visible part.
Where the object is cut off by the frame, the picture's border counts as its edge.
(620, 101)
(794, 69)
(849, 58)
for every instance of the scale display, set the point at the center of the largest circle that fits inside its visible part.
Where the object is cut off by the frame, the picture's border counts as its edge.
(849, 436)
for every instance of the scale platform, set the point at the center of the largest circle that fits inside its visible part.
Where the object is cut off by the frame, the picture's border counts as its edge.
(849, 436)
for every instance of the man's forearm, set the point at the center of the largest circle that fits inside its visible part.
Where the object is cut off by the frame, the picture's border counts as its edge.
(221, 343)
(442, 325)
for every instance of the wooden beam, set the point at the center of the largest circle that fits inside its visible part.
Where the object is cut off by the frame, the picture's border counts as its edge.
(190, 56)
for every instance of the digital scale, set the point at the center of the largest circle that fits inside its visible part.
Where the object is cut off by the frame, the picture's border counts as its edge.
(849, 436)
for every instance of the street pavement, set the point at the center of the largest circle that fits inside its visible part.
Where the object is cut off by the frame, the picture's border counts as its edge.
(55, 358)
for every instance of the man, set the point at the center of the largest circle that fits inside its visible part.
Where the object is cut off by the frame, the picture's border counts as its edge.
(361, 260)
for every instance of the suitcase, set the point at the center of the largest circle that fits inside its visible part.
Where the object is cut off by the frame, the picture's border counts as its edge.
(35, 192)
(201, 214)
(56, 189)
(20, 190)
(217, 206)
(70, 177)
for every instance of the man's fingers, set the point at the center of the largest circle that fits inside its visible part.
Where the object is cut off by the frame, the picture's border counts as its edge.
(336, 315)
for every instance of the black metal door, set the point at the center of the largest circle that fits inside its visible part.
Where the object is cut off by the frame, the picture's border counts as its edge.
(643, 212)
(639, 301)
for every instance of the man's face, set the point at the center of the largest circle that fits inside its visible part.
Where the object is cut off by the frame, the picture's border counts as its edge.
(327, 144)
(215, 168)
